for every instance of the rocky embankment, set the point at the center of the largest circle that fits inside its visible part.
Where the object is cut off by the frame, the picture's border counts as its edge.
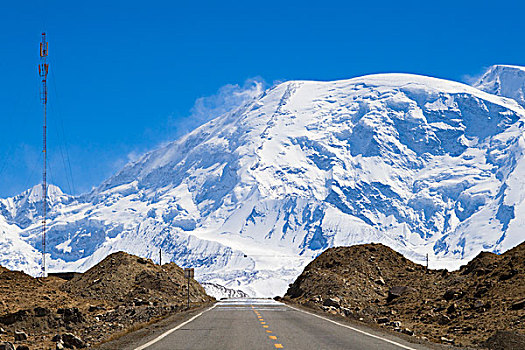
(481, 305)
(120, 293)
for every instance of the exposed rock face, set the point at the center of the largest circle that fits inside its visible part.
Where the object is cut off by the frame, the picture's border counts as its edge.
(463, 307)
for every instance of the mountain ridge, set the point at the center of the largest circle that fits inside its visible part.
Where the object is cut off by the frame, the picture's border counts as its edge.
(504, 80)
(415, 162)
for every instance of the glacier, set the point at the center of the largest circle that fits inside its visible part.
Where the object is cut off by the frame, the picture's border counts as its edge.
(424, 165)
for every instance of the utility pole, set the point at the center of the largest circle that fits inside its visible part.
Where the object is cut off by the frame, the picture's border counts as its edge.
(427, 261)
(160, 256)
(189, 273)
(43, 69)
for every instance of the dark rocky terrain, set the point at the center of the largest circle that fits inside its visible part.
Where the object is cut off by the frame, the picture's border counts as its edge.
(119, 294)
(481, 305)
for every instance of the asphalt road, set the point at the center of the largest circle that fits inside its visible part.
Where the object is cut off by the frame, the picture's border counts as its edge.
(266, 324)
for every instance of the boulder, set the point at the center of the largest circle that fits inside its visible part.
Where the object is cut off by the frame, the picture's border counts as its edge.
(20, 336)
(382, 320)
(71, 314)
(22, 347)
(395, 324)
(335, 302)
(481, 291)
(446, 340)
(479, 305)
(11, 318)
(41, 311)
(451, 294)
(380, 281)
(6, 346)
(140, 302)
(93, 308)
(397, 291)
(316, 299)
(452, 308)
(407, 331)
(508, 275)
(443, 320)
(346, 311)
(72, 341)
(518, 305)
(328, 308)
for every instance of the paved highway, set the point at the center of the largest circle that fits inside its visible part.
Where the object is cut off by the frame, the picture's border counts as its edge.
(267, 324)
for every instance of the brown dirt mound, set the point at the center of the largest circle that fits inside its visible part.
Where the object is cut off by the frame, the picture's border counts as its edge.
(119, 293)
(19, 291)
(124, 278)
(374, 283)
(32, 304)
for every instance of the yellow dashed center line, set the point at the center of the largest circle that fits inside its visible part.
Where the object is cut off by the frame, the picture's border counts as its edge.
(272, 337)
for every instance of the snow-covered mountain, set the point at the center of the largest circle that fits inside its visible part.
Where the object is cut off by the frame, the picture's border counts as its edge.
(218, 292)
(420, 164)
(504, 80)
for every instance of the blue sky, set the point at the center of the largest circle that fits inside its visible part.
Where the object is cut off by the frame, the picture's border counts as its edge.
(125, 75)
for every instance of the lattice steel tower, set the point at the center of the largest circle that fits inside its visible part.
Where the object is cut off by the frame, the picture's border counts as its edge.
(43, 69)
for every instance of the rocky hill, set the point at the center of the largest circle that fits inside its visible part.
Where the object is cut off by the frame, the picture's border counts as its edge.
(481, 304)
(127, 278)
(120, 292)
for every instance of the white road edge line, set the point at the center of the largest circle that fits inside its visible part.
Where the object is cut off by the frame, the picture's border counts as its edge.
(354, 329)
(165, 334)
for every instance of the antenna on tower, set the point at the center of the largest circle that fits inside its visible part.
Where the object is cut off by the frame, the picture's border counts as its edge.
(43, 69)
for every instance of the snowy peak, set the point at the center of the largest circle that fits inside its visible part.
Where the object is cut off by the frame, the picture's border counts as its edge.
(26, 208)
(34, 194)
(420, 164)
(504, 80)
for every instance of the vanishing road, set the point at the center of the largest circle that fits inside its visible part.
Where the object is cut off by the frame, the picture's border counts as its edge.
(266, 324)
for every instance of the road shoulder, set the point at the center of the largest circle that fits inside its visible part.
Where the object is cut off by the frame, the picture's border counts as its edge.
(148, 332)
(370, 328)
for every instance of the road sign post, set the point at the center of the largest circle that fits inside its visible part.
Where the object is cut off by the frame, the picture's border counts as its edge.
(189, 273)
